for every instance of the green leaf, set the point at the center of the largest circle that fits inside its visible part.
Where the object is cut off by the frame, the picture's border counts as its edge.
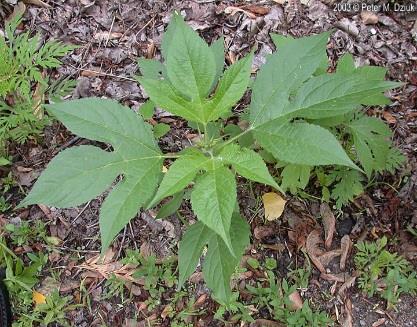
(190, 63)
(303, 144)
(349, 185)
(295, 177)
(168, 37)
(151, 68)
(180, 174)
(335, 94)
(281, 40)
(213, 200)
(346, 64)
(147, 109)
(371, 138)
(109, 122)
(282, 74)
(161, 129)
(87, 171)
(395, 159)
(165, 96)
(248, 164)
(171, 206)
(219, 264)
(190, 249)
(231, 88)
(217, 47)
(74, 177)
(4, 161)
(126, 198)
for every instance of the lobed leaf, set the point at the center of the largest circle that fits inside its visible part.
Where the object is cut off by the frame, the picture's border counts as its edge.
(80, 174)
(85, 168)
(371, 138)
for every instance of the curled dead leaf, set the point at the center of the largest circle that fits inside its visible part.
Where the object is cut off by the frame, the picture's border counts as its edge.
(312, 243)
(38, 3)
(231, 10)
(257, 10)
(347, 318)
(327, 257)
(345, 247)
(329, 224)
(274, 205)
(349, 282)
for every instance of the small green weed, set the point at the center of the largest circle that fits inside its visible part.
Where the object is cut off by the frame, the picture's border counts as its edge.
(27, 232)
(21, 276)
(275, 297)
(384, 273)
(237, 310)
(23, 85)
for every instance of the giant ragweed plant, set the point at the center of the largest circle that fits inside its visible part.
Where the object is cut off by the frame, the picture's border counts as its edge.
(295, 112)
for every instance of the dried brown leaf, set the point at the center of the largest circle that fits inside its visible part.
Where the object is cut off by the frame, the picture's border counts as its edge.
(105, 35)
(379, 322)
(258, 10)
(18, 10)
(327, 257)
(329, 224)
(347, 320)
(389, 117)
(38, 3)
(231, 10)
(312, 243)
(345, 247)
(341, 277)
(349, 282)
(369, 18)
(263, 231)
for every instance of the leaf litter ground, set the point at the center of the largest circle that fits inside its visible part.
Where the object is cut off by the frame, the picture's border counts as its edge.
(112, 37)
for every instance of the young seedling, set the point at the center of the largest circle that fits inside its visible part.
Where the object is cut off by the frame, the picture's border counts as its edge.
(293, 100)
